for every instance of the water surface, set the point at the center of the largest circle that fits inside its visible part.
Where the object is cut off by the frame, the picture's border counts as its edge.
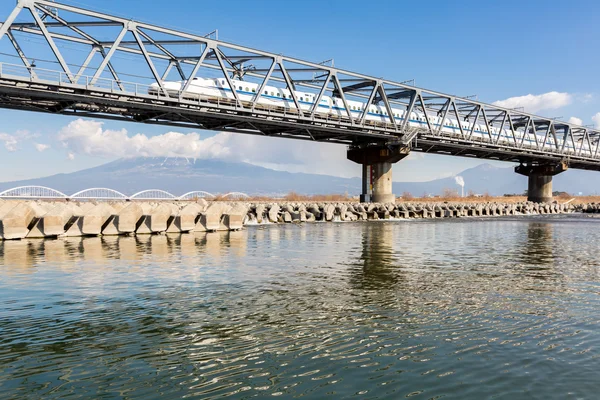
(472, 308)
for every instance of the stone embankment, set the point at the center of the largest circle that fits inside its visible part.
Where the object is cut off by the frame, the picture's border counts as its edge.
(40, 219)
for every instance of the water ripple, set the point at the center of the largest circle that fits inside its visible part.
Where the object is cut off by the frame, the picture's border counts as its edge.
(426, 309)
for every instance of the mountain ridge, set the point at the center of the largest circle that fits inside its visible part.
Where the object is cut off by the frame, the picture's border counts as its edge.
(180, 175)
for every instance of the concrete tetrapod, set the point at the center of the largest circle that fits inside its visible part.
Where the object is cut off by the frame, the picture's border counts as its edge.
(186, 219)
(94, 219)
(125, 221)
(17, 222)
(210, 220)
(157, 219)
(55, 221)
(233, 219)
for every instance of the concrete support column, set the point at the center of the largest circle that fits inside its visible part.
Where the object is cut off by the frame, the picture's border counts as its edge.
(365, 195)
(539, 188)
(382, 183)
(377, 170)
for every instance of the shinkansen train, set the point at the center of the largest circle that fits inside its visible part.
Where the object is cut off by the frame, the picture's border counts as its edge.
(273, 97)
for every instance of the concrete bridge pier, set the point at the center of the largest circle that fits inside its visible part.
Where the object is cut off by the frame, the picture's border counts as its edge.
(376, 164)
(539, 188)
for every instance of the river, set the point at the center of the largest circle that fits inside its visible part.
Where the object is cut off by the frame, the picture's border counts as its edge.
(469, 308)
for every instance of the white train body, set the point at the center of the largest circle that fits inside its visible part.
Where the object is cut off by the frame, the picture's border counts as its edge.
(217, 89)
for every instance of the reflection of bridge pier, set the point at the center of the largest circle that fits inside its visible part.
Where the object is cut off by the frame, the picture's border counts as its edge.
(538, 248)
(379, 268)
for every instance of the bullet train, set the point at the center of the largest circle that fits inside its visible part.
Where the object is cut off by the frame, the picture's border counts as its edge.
(273, 97)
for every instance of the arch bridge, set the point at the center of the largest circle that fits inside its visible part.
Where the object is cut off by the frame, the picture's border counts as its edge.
(56, 58)
(42, 192)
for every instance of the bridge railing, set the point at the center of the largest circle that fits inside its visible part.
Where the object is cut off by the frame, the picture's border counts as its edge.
(106, 194)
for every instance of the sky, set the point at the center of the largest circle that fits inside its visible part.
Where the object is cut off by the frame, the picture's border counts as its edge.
(539, 55)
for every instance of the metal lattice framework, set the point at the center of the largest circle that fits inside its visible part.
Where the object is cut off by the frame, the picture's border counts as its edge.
(69, 67)
(33, 192)
(42, 192)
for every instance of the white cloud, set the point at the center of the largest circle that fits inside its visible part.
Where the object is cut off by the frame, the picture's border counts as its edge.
(596, 119)
(575, 121)
(11, 142)
(89, 138)
(41, 147)
(86, 137)
(70, 156)
(534, 103)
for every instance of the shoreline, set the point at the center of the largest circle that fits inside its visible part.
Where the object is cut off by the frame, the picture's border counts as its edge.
(21, 219)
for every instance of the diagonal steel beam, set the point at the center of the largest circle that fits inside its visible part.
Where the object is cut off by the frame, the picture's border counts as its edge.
(368, 104)
(217, 52)
(567, 130)
(85, 64)
(263, 84)
(501, 130)
(386, 102)
(587, 136)
(9, 21)
(446, 109)
(512, 128)
(51, 43)
(474, 121)
(337, 87)
(290, 85)
(548, 129)
(111, 52)
(19, 51)
(149, 61)
(553, 131)
(320, 96)
(458, 119)
(487, 124)
(96, 43)
(425, 113)
(535, 136)
(525, 132)
(167, 70)
(195, 70)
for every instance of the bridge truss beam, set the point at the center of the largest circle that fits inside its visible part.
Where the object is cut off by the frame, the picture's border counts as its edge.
(69, 67)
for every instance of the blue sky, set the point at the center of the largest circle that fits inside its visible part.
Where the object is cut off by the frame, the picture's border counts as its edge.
(496, 50)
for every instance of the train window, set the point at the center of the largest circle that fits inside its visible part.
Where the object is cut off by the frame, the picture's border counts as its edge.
(253, 90)
(278, 95)
(247, 89)
(241, 88)
(266, 92)
(272, 94)
(301, 98)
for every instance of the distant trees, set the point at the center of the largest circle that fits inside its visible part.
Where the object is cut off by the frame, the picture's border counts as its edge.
(407, 196)
(449, 193)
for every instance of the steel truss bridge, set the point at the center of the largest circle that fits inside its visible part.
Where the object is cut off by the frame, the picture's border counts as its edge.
(61, 59)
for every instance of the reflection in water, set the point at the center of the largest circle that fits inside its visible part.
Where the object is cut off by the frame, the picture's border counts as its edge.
(378, 262)
(23, 255)
(426, 309)
(538, 248)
